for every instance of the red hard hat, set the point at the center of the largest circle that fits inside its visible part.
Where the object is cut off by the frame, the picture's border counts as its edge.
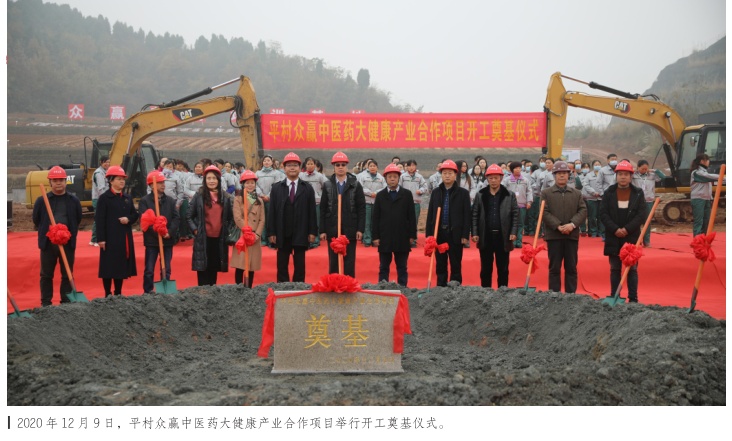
(159, 177)
(212, 168)
(449, 164)
(56, 172)
(116, 170)
(624, 166)
(391, 168)
(291, 157)
(494, 169)
(247, 175)
(339, 157)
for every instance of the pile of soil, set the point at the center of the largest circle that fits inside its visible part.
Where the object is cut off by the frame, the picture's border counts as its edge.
(469, 346)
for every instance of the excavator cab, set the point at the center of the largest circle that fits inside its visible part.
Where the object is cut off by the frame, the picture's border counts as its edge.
(710, 139)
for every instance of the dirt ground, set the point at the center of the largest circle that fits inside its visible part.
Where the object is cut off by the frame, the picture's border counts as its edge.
(469, 347)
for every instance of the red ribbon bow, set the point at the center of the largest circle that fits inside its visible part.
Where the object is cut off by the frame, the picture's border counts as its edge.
(430, 244)
(630, 254)
(58, 234)
(247, 239)
(337, 283)
(161, 225)
(339, 244)
(528, 252)
(147, 219)
(702, 245)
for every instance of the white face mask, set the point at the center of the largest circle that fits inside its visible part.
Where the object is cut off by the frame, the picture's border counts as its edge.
(596, 168)
(585, 171)
(613, 163)
(542, 165)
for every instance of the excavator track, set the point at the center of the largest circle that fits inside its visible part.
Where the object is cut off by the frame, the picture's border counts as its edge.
(676, 208)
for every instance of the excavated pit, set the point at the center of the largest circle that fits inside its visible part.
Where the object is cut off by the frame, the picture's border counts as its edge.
(469, 347)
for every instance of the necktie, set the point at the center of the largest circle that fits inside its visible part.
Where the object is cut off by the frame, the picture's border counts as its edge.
(292, 192)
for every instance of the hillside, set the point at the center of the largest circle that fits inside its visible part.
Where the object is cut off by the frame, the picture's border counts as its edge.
(57, 56)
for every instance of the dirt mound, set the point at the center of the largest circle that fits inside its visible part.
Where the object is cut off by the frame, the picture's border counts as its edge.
(469, 347)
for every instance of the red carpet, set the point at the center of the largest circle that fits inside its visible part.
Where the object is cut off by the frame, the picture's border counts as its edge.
(666, 272)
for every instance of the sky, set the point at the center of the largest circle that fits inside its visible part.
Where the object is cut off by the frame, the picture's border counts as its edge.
(457, 56)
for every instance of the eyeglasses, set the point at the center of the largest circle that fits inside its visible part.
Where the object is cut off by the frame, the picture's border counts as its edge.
(340, 164)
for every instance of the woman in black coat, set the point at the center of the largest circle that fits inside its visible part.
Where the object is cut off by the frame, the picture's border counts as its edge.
(208, 217)
(114, 216)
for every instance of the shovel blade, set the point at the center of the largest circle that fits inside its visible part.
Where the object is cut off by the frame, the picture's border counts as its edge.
(19, 314)
(612, 300)
(166, 286)
(77, 297)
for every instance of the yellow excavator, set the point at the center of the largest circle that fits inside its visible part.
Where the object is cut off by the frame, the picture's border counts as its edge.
(137, 157)
(681, 143)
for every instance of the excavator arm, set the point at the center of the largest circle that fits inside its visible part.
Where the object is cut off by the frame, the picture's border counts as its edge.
(138, 127)
(634, 107)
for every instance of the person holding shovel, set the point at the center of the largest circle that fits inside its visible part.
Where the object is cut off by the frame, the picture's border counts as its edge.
(255, 220)
(66, 210)
(353, 213)
(114, 216)
(454, 222)
(623, 212)
(150, 235)
(496, 222)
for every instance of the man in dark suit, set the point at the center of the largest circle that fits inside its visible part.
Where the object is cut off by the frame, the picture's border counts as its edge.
(454, 222)
(394, 225)
(353, 213)
(291, 221)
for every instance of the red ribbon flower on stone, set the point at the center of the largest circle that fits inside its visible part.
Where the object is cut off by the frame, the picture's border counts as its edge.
(702, 245)
(430, 244)
(337, 283)
(630, 254)
(339, 244)
(528, 252)
(58, 234)
(247, 239)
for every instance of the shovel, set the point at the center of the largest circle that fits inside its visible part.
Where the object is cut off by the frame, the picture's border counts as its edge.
(710, 229)
(615, 299)
(432, 257)
(245, 196)
(164, 286)
(536, 239)
(74, 295)
(18, 313)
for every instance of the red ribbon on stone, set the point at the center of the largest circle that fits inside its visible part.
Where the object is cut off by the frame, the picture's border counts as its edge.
(630, 254)
(247, 239)
(702, 245)
(161, 225)
(339, 244)
(337, 283)
(402, 323)
(58, 234)
(528, 252)
(430, 244)
(147, 219)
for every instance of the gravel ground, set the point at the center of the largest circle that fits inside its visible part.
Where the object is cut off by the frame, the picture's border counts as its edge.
(469, 347)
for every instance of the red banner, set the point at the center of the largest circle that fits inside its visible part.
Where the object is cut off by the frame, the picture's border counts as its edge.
(403, 130)
(76, 111)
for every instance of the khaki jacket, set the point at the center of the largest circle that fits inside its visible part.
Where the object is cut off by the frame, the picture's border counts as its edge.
(562, 207)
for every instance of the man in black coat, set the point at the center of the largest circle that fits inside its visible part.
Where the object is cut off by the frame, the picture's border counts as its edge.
(394, 225)
(495, 226)
(623, 212)
(353, 213)
(66, 210)
(291, 220)
(454, 222)
(150, 237)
